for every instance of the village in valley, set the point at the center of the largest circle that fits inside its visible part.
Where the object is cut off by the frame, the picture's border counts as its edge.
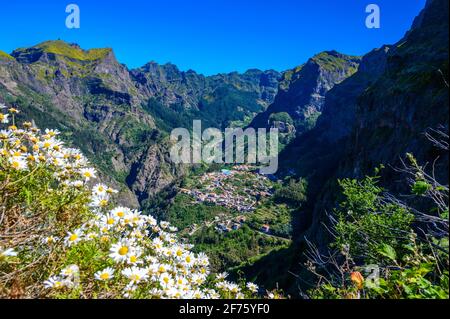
(239, 189)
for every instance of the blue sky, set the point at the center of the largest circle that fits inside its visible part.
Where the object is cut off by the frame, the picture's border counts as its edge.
(209, 36)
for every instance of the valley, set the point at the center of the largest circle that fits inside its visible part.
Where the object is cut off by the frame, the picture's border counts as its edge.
(344, 122)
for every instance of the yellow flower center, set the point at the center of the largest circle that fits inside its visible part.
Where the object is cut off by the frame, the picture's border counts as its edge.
(133, 259)
(110, 221)
(73, 237)
(104, 238)
(120, 214)
(104, 276)
(123, 250)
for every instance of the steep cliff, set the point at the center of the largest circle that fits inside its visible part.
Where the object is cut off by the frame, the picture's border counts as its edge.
(377, 116)
(302, 91)
(120, 118)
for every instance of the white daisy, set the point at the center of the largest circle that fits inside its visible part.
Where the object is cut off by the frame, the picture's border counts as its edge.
(135, 274)
(54, 282)
(4, 118)
(100, 189)
(122, 251)
(88, 173)
(252, 287)
(73, 237)
(105, 274)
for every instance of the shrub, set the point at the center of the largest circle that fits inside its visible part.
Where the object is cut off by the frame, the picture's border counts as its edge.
(376, 234)
(293, 193)
(61, 237)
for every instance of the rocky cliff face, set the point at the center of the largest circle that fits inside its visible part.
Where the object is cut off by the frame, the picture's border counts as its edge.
(302, 91)
(174, 87)
(377, 116)
(119, 117)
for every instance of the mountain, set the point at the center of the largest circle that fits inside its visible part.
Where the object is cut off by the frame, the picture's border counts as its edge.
(219, 101)
(374, 117)
(119, 117)
(301, 93)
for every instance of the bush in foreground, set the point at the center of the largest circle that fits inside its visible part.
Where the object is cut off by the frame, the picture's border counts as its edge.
(61, 236)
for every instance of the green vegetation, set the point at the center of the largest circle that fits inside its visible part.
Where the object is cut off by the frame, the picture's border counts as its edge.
(236, 249)
(62, 238)
(4, 55)
(73, 52)
(184, 213)
(293, 193)
(308, 123)
(233, 249)
(281, 117)
(278, 216)
(331, 62)
(374, 229)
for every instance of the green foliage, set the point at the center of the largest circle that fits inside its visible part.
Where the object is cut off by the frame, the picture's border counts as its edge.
(4, 55)
(226, 250)
(308, 123)
(183, 213)
(371, 230)
(420, 187)
(73, 52)
(281, 117)
(293, 193)
(278, 216)
(332, 62)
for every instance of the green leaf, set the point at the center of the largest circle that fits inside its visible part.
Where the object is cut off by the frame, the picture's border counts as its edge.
(420, 187)
(387, 251)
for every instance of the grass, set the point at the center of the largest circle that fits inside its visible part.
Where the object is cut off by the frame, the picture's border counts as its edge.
(331, 62)
(67, 50)
(4, 55)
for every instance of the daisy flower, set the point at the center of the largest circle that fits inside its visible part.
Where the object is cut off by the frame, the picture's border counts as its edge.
(51, 133)
(166, 280)
(70, 271)
(54, 282)
(105, 274)
(17, 162)
(109, 220)
(222, 276)
(88, 173)
(100, 201)
(135, 274)
(121, 251)
(252, 287)
(4, 118)
(13, 110)
(73, 237)
(100, 189)
(120, 212)
(49, 240)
